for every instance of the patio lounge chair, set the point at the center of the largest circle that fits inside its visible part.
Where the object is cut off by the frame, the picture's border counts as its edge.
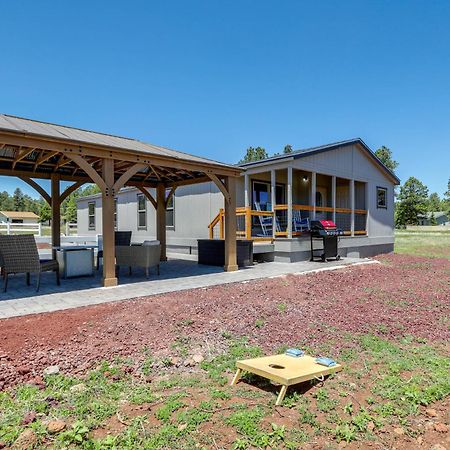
(266, 222)
(122, 238)
(20, 255)
(299, 224)
(146, 255)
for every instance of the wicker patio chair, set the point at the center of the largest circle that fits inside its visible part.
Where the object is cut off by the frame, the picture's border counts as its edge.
(20, 255)
(122, 238)
(146, 255)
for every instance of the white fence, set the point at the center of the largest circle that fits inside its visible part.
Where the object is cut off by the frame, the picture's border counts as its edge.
(20, 228)
(71, 228)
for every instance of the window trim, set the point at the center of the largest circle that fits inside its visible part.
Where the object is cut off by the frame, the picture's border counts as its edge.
(172, 208)
(92, 227)
(139, 211)
(385, 190)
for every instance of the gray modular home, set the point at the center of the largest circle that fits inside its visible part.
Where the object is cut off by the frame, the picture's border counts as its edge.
(276, 198)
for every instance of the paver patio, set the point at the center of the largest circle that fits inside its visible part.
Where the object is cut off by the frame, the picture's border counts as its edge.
(178, 273)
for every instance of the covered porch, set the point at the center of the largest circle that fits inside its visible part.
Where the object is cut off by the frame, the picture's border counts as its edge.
(280, 203)
(32, 150)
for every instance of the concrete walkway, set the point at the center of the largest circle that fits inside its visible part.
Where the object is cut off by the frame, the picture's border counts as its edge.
(176, 274)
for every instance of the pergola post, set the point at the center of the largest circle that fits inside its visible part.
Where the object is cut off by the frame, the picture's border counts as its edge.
(56, 213)
(230, 226)
(161, 219)
(109, 256)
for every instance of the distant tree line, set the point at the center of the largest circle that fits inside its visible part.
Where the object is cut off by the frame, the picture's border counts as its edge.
(258, 153)
(412, 201)
(19, 201)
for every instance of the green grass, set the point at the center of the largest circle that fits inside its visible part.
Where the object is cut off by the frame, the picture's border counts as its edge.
(423, 243)
(396, 378)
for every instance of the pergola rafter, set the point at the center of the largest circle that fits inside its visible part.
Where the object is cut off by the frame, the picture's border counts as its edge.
(65, 154)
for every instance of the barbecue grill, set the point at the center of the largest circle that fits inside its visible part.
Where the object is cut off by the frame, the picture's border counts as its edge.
(327, 232)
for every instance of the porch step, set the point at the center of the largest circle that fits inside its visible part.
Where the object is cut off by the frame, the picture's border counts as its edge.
(263, 247)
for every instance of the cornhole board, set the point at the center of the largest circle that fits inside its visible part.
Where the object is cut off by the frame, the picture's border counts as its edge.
(284, 370)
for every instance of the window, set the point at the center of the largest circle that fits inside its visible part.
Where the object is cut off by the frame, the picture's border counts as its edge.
(381, 197)
(91, 215)
(170, 210)
(142, 211)
(261, 195)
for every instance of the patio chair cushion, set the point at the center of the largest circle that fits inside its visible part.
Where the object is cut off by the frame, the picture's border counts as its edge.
(145, 256)
(155, 242)
(48, 265)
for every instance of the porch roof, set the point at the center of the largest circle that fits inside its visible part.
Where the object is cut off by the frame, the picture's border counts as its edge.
(302, 153)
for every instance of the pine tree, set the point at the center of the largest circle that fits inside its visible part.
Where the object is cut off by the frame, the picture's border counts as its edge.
(45, 212)
(70, 214)
(434, 202)
(384, 154)
(287, 149)
(254, 154)
(433, 219)
(412, 202)
(19, 200)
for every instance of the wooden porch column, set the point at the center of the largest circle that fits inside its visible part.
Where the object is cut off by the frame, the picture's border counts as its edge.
(273, 199)
(289, 202)
(247, 193)
(56, 212)
(313, 194)
(352, 206)
(333, 196)
(109, 250)
(161, 219)
(230, 226)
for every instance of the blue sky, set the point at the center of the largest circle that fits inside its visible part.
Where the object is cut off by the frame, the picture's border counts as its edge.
(214, 77)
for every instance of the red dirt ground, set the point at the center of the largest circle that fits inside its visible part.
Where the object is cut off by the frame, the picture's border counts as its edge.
(397, 297)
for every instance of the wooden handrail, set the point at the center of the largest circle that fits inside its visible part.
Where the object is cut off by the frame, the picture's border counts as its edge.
(248, 213)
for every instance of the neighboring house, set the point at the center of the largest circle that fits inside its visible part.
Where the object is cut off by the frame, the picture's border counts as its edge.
(344, 182)
(441, 218)
(25, 217)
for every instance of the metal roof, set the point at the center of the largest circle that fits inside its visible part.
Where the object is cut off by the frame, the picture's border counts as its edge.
(45, 129)
(324, 148)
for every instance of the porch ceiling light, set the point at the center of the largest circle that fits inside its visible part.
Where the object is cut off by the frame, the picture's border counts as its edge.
(305, 178)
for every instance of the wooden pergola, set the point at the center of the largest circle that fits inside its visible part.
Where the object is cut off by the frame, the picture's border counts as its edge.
(36, 150)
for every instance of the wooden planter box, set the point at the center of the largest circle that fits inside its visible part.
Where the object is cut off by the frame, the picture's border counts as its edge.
(212, 252)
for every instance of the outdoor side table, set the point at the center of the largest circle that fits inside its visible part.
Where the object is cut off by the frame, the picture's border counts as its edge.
(75, 261)
(284, 370)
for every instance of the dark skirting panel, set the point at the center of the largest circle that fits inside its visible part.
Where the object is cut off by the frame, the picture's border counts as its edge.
(212, 252)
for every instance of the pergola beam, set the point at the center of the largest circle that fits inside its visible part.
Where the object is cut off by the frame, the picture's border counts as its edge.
(90, 171)
(21, 155)
(70, 189)
(38, 188)
(149, 197)
(44, 157)
(133, 170)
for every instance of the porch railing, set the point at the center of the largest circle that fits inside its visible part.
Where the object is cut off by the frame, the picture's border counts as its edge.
(249, 228)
